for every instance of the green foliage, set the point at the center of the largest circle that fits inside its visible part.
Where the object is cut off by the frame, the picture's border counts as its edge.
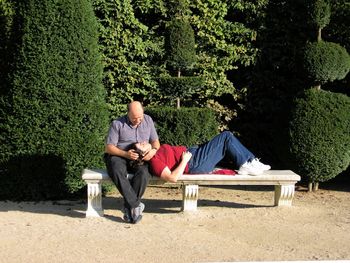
(180, 45)
(180, 87)
(132, 43)
(7, 14)
(326, 61)
(225, 43)
(6, 19)
(318, 13)
(57, 121)
(338, 31)
(177, 8)
(320, 134)
(184, 126)
(274, 80)
(131, 50)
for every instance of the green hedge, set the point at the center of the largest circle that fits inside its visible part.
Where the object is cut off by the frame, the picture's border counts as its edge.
(184, 126)
(182, 87)
(56, 117)
(320, 135)
(326, 61)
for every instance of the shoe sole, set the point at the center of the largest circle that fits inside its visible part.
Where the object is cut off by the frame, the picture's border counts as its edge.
(138, 219)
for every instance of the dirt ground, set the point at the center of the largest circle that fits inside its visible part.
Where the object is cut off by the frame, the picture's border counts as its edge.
(236, 223)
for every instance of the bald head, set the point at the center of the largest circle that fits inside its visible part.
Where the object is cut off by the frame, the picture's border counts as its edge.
(135, 113)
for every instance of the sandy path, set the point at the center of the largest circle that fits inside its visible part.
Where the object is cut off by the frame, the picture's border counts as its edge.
(232, 224)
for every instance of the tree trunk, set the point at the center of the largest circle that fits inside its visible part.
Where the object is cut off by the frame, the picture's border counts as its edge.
(319, 35)
(178, 99)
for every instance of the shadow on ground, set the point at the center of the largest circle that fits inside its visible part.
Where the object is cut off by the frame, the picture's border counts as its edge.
(76, 208)
(70, 208)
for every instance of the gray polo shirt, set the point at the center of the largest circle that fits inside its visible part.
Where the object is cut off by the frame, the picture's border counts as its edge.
(123, 135)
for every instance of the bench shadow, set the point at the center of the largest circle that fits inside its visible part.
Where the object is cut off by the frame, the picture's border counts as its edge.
(77, 208)
(174, 206)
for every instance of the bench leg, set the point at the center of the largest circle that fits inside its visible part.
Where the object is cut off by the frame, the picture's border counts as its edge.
(189, 197)
(284, 195)
(94, 194)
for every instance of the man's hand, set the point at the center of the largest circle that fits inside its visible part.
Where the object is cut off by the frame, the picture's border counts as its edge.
(149, 155)
(132, 155)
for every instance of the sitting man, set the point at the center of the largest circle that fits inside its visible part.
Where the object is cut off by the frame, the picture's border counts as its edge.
(120, 158)
(170, 162)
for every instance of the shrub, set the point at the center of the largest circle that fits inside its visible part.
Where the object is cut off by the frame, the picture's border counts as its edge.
(319, 13)
(180, 45)
(320, 134)
(326, 61)
(58, 118)
(180, 87)
(184, 126)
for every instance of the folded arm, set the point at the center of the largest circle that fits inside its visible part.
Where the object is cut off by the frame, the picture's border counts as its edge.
(172, 176)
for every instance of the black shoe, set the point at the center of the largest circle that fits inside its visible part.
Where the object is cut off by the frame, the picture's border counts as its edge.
(127, 215)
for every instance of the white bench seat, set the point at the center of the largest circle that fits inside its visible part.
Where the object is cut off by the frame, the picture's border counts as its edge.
(283, 180)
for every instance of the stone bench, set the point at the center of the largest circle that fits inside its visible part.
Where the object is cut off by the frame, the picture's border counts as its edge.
(283, 180)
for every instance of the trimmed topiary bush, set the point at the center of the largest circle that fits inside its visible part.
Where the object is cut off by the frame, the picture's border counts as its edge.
(184, 126)
(180, 44)
(58, 118)
(320, 135)
(326, 61)
(180, 87)
(319, 13)
(180, 53)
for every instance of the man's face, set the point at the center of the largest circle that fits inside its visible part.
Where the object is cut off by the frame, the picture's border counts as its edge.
(143, 147)
(135, 117)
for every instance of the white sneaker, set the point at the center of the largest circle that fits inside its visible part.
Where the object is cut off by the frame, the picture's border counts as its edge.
(256, 162)
(249, 168)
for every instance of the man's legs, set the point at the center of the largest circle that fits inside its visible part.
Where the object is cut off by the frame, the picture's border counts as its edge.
(117, 170)
(205, 157)
(140, 181)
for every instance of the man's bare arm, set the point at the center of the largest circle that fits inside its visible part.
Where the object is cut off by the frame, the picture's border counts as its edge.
(172, 176)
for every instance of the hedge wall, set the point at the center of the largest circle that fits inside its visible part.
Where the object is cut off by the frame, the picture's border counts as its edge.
(184, 126)
(56, 117)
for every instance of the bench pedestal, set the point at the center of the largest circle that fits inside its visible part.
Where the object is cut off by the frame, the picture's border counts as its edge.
(94, 206)
(284, 195)
(283, 180)
(189, 197)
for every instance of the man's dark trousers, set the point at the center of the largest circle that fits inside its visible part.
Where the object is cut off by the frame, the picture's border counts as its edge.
(132, 190)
